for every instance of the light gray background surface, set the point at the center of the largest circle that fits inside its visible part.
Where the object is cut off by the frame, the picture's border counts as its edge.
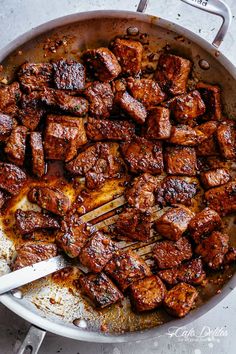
(216, 331)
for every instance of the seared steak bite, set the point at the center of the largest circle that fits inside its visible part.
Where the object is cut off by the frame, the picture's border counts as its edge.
(9, 97)
(169, 254)
(172, 73)
(186, 136)
(143, 155)
(97, 163)
(35, 76)
(141, 193)
(31, 110)
(180, 160)
(226, 137)
(208, 128)
(230, 256)
(215, 178)
(129, 54)
(68, 75)
(126, 268)
(180, 299)
(6, 125)
(211, 97)
(222, 199)
(191, 272)
(97, 252)
(208, 147)
(158, 123)
(147, 293)
(36, 144)
(213, 249)
(134, 224)
(146, 91)
(132, 107)
(16, 145)
(100, 289)
(98, 129)
(173, 223)
(100, 97)
(33, 252)
(204, 223)
(102, 63)
(12, 178)
(50, 198)
(29, 221)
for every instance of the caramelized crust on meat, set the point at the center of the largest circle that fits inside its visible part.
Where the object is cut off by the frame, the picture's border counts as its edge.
(146, 91)
(36, 144)
(100, 289)
(12, 178)
(226, 137)
(215, 178)
(211, 97)
(208, 147)
(204, 223)
(126, 268)
(222, 199)
(6, 125)
(180, 160)
(158, 123)
(169, 254)
(3, 198)
(33, 252)
(172, 73)
(102, 63)
(68, 75)
(143, 155)
(180, 299)
(213, 249)
(147, 294)
(132, 107)
(173, 223)
(16, 145)
(129, 54)
(9, 97)
(230, 256)
(191, 272)
(186, 136)
(35, 76)
(100, 97)
(31, 110)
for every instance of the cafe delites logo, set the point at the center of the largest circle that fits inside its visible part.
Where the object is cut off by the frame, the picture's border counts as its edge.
(200, 2)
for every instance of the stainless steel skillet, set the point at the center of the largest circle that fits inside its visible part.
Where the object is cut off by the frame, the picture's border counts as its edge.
(93, 29)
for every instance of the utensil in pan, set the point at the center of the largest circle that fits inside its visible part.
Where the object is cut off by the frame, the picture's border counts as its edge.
(89, 30)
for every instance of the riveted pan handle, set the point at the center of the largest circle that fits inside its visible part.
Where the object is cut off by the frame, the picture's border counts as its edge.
(32, 341)
(216, 7)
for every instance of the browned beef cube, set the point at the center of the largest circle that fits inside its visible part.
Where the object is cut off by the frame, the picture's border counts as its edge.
(16, 145)
(172, 73)
(146, 91)
(215, 178)
(141, 193)
(180, 299)
(129, 54)
(97, 252)
(208, 128)
(158, 123)
(191, 272)
(169, 254)
(29, 221)
(208, 147)
(204, 223)
(97, 163)
(180, 160)
(31, 110)
(230, 256)
(186, 136)
(102, 63)
(134, 224)
(143, 155)
(187, 107)
(36, 143)
(68, 75)
(126, 268)
(173, 223)
(100, 97)
(211, 97)
(147, 294)
(100, 289)
(98, 129)
(175, 190)
(132, 107)
(12, 178)
(35, 76)
(222, 199)
(72, 237)
(51, 199)
(33, 252)
(6, 125)
(226, 137)
(213, 249)
(9, 96)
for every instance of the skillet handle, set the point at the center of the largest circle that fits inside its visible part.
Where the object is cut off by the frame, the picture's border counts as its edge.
(32, 341)
(216, 7)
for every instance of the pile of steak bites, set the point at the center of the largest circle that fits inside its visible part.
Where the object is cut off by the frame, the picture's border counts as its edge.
(105, 119)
